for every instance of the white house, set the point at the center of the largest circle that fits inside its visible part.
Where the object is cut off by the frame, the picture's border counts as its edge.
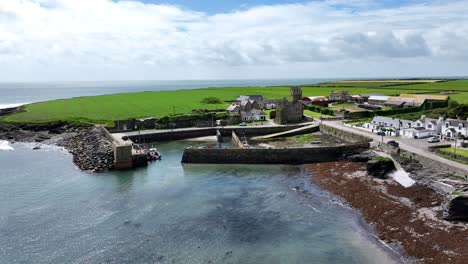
(389, 125)
(455, 128)
(429, 124)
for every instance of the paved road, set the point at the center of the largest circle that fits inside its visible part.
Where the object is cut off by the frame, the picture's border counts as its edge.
(415, 146)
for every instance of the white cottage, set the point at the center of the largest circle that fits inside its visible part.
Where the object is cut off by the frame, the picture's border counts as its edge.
(453, 128)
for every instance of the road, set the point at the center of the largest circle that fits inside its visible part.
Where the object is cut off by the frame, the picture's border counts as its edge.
(412, 145)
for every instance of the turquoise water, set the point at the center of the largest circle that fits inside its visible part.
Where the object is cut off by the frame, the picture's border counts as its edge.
(50, 212)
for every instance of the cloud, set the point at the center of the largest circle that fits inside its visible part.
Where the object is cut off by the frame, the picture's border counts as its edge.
(143, 40)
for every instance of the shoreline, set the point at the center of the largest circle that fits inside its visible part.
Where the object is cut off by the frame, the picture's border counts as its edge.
(90, 150)
(409, 219)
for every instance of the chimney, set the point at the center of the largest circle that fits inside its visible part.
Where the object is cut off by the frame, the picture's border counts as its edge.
(423, 117)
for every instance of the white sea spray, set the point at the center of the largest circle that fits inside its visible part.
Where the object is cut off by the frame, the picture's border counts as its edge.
(4, 145)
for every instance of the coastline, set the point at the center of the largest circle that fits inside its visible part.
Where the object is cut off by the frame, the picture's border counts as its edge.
(90, 149)
(409, 220)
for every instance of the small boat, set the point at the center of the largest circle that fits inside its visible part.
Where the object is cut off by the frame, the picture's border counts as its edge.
(153, 154)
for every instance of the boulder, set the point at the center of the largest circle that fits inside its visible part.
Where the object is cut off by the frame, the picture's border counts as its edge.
(361, 157)
(458, 209)
(379, 167)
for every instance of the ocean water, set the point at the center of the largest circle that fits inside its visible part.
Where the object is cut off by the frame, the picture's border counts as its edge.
(51, 212)
(21, 93)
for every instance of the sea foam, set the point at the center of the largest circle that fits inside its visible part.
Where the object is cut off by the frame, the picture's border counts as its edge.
(4, 106)
(4, 145)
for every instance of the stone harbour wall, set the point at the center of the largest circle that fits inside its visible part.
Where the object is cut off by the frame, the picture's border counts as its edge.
(343, 135)
(272, 156)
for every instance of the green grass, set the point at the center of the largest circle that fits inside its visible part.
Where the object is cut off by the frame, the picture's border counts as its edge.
(307, 138)
(342, 106)
(452, 159)
(460, 152)
(315, 114)
(105, 108)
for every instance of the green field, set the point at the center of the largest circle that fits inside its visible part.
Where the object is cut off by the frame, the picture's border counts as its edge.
(315, 114)
(460, 152)
(105, 108)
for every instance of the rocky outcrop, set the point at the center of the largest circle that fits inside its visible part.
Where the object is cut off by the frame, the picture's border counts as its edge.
(91, 151)
(458, 209)
(9, 111)
(364, 156)
(379, 167)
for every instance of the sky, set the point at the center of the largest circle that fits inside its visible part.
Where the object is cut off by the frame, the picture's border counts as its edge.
(88, 40)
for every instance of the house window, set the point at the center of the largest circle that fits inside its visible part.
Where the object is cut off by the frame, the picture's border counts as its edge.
(447, 125)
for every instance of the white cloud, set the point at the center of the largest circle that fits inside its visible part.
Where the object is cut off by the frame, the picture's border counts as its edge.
(101, 39)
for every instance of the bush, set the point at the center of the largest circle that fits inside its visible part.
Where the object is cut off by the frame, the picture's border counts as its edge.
(322, 110)
(211, 100)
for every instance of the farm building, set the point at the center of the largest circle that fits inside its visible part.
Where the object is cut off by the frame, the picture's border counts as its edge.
(340, 97)
(315, 100)
(377, 99)
(366, 97)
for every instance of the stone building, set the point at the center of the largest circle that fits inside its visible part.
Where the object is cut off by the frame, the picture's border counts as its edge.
(290, 111)
(340, 97)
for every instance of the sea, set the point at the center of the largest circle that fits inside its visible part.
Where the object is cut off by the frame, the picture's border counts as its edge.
(51, 212)
(14, 94)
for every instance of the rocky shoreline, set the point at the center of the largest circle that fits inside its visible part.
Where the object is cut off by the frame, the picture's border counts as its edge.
(90, 149)
(408, 219)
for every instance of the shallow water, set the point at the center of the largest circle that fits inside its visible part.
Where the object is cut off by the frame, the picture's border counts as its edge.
(50, 212)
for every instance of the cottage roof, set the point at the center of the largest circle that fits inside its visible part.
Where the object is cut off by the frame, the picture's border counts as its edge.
(250, 97)
(233, 107)
(457, 122)
(390, 121)
(378, 97)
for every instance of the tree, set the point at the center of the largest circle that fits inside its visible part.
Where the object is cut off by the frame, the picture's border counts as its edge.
(211, 100)
(453, 104)
(460, 111)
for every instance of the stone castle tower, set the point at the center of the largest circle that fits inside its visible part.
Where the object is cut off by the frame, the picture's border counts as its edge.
(290, 111)
(296, 93)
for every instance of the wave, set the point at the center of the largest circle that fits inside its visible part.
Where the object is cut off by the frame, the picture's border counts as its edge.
(4, 145)
(3, 106)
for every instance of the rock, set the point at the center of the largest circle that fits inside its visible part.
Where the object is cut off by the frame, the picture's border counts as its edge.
(458, 209)
(362, 157)
(379, 167)
(57, 130)
(36, 148)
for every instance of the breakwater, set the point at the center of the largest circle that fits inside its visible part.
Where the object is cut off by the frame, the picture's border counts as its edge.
(149, 136)
(272, 156)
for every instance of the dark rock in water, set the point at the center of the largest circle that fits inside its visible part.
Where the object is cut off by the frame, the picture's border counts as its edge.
(361, 157)
(458, 209)
(36, 148)
(379, 167)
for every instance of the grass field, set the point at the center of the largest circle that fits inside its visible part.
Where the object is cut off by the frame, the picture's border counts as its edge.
(461, 152)
(315, 114)
(105, 108)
